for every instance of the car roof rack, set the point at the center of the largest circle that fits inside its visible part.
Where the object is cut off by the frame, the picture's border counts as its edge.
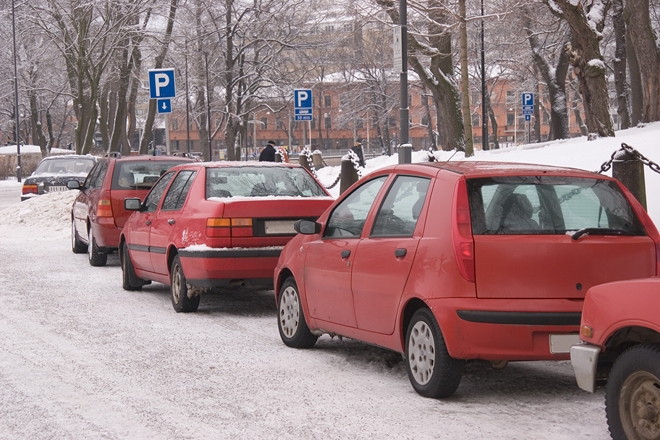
(115, 154)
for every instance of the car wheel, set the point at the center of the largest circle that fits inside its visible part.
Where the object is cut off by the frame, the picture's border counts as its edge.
(291, 319)
(432, 372)
(97, 256)
(179, 290)
(77, 246)
(130, 281)
(632, 400)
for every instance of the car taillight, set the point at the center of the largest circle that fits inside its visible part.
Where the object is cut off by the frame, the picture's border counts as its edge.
(104, 208)
(462, 233)
(30, 189)
(229, 227)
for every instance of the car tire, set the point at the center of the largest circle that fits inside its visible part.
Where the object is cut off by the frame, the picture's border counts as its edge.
(130, 281)
(291, 318)
(432, 372)
(77, 246)
(632, 400)
(179, 290)
(97, 256)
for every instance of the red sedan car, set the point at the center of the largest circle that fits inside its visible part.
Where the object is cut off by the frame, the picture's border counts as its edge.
(216, 224)
(446, 262)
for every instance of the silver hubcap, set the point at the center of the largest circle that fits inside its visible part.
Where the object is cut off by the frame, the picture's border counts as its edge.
(176, 284)
(289, 312)
(639, 406)
(421, 352)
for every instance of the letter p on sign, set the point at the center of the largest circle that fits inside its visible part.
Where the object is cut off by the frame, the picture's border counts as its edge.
(161, 83)
(302, 98)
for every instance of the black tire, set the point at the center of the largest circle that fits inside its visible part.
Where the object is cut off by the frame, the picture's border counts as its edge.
(130, 281)
(97, 256)
(632, 400)
(179, 290)
(432, 372)
(77, 246)
(291, 318)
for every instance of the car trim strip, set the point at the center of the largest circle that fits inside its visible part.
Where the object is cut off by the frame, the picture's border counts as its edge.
(520, 318)
(141, 248)
(232, 253)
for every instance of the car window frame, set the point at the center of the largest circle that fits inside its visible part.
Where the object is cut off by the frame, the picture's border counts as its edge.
(390, 187)
(184, 191)
(164, 181)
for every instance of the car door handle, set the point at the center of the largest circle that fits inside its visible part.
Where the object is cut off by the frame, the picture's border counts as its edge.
(345, 254)
(400, 253)
(148, 222)
(171, 221)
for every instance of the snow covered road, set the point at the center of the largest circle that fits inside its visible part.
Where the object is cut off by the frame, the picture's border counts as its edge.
(82, 358)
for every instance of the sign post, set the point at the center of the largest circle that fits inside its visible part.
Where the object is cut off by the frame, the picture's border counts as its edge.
(528, 111)
(162, 88)
(302, 107)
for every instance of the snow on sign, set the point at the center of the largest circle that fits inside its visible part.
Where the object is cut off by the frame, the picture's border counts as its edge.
(164, 106)
(161, 84)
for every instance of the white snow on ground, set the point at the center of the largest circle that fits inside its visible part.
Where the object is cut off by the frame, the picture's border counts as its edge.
(82, 358)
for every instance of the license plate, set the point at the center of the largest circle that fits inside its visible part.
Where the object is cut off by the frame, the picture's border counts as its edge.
(562, 343)
(279, 227)
(57, 188)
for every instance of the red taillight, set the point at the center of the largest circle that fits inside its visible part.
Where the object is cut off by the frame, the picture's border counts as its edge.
(229, 227)
(462, 233)
(104, 208)
(30, 189)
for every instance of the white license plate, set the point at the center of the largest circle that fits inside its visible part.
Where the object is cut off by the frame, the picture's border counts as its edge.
(57, 188)
(279, 227)
(562, 343)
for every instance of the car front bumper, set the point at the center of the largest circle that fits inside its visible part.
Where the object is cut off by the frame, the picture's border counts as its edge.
(584, 358)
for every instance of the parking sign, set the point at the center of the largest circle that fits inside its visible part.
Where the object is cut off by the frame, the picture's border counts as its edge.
(527, 99)
(161, 84)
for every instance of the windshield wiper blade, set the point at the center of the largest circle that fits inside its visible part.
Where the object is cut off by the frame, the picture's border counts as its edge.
(600, 231)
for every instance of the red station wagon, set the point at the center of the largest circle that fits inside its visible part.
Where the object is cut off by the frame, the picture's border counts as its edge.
(447, 262)
(216, 224)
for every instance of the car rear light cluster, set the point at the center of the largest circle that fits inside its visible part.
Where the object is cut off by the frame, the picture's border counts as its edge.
(30, 189)
(104, 208)
(229, 227)
(462, 233)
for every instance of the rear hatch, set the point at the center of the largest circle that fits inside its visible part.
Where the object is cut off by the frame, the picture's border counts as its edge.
(542, 237)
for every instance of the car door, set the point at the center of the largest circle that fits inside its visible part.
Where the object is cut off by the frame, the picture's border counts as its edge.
(328, 260)
(88, 200)
(138, 236)
(165, 220)
(383, 260)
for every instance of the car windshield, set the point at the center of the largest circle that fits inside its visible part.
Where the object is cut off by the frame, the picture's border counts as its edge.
(248, 181)
(549, 205)
(68, 166)
(140, 174)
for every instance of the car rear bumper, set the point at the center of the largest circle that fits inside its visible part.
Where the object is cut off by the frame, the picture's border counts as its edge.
(106, 233)
(584, 358)
(209, 267)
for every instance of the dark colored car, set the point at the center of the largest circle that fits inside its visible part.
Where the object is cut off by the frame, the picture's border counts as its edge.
(53, 173)
(216, 224)
(448, 262)
(98, 213)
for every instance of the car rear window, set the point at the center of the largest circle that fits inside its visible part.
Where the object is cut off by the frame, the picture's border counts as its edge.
(139, 174)
(79, 166)
(245, 181)
(549, 205)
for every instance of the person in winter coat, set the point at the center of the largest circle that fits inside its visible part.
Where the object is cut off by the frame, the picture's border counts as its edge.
(268, 153)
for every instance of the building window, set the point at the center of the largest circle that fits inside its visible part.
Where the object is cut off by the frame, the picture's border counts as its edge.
(510, 118)
(327, 101)
(391, 121)
(348, 27)
(264, 123)
(359, 123)
(175, 124)
(329, 28)
(510, 97)
(425, 120)
(313, 124)
(328, 123)
(476, 120)
(546, 119)
(476, 97)
(409, 100)
(279, 123)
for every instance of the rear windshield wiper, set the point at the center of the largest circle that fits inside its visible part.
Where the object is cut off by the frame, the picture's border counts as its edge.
(600, 231)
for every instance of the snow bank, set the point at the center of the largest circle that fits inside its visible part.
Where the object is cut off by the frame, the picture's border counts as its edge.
(43, 217)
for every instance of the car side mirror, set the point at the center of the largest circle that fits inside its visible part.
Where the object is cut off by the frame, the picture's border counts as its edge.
(307, 227)
(134, 204)
(73, 184)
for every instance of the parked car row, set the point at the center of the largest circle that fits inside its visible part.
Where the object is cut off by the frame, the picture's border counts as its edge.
(53, 173)
(442, 262)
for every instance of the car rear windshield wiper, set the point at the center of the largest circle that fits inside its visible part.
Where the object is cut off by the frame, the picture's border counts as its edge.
(600, 231)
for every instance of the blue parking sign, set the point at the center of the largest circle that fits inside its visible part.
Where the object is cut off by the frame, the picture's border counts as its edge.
(527, 99)
(164, 106)
(302, 99)
(161, 83)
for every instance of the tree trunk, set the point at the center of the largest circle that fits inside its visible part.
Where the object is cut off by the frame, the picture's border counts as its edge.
(636, 94)
(640, 34)
(619, 64)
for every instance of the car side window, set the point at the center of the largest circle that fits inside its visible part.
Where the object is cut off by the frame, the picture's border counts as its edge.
(97, 180)
(178, 192)
(156, 193)
(92, 175)
(348, 218)
(400, 210)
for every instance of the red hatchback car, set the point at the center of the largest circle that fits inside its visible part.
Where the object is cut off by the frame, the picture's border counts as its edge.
(447, 262)
(216, 224)
(98, 213)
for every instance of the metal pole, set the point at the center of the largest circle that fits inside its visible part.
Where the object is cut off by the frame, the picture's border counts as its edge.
(403, 112)
(18, 131)
(484, 113)
(187, 104)
(208, 106)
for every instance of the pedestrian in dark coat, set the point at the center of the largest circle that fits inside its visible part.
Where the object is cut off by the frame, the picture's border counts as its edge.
(268, 153)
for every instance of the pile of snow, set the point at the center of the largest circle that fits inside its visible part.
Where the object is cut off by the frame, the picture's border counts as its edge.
(31, 149)
(43, 217)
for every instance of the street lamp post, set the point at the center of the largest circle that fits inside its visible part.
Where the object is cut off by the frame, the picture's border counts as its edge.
(17, 134)
(484, 118)
(187, 105)
(208, 106)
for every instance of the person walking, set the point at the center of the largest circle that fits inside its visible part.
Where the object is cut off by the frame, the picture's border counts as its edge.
(268, 153)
